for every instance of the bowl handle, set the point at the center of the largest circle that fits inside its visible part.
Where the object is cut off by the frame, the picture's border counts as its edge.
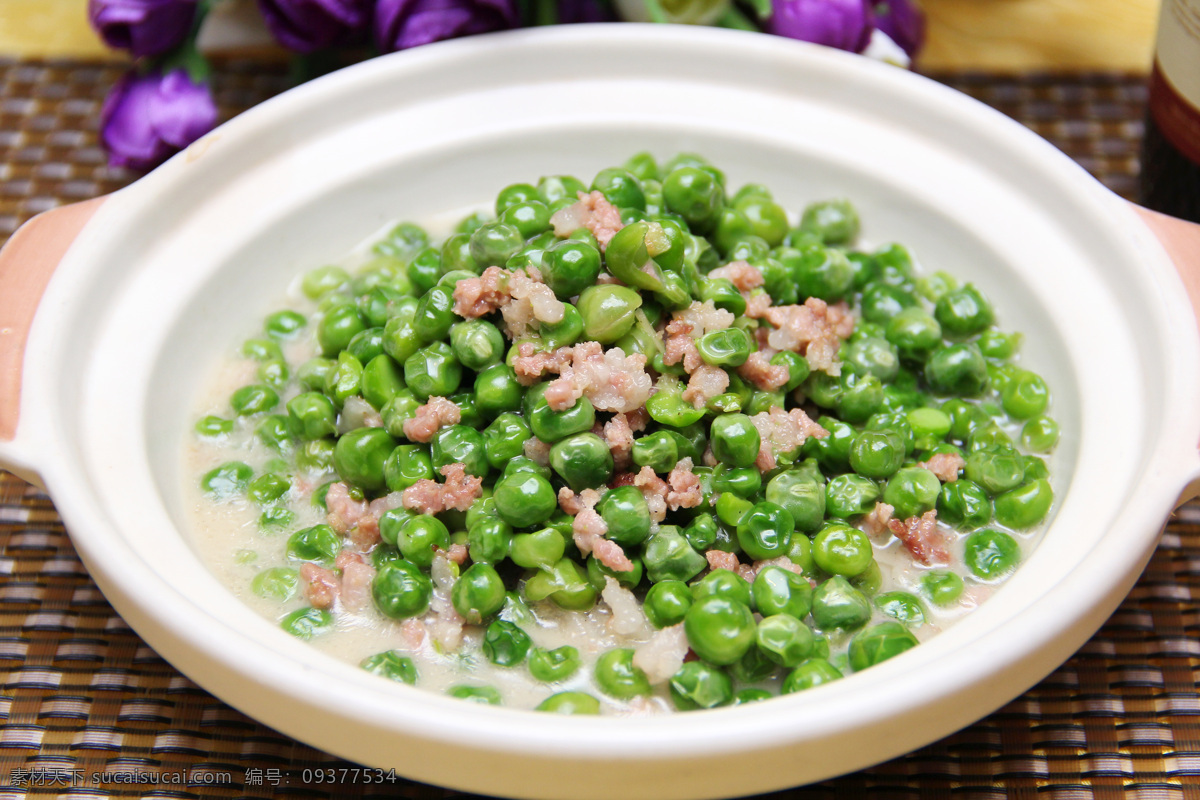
(27, 261)
(1181, 240)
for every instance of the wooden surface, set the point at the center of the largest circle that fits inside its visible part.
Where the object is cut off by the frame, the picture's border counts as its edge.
(992, 35)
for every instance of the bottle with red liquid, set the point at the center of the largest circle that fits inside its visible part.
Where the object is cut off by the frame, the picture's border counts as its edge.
(1170, 178)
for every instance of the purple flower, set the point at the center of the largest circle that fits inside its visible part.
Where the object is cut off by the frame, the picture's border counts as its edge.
(306, 26)
(143, 27)
(400, 24)
(903, 22)
(146, 118)
(573, 11)
(844, 24)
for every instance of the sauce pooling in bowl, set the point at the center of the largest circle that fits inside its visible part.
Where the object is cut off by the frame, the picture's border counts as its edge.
(641, 445)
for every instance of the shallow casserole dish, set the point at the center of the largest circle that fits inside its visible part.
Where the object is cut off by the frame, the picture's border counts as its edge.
(153, 279)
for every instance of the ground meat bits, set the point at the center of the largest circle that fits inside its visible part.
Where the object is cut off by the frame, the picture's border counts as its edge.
(922, 538)
(478, 297)
(594, 212)
(782, 431)
(759, 370)
(814, 329)
(743, 276)
(436, 414)
(876, 522)
(458, 492)
(684, 491)
(944, 465)
(705, 383)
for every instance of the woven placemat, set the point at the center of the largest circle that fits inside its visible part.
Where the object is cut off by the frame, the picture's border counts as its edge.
(82, 695)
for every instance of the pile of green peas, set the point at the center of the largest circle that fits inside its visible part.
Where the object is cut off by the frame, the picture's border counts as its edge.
(926, 372)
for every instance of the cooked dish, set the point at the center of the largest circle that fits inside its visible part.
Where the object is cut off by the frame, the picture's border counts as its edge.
(642, 445)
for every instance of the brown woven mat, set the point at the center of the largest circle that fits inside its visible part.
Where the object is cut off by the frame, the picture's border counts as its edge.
(81, 693)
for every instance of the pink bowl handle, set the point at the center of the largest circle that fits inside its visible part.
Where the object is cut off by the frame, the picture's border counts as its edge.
(1181, 240)
(26, 263)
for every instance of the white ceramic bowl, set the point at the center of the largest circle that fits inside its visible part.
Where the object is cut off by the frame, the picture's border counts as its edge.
(170, 270)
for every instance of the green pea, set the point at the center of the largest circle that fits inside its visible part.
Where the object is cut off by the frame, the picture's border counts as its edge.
(505, 439)
(719, 630)
(963, 311)
(268, 488)
(570, 266)
(1026, 505)
(1025, 396)
(459, 444)
(997, 468)
(784, 640)
(626, 515)
(841, 550)
(401, 590)
(316, 456)
(667, 602)
(780, 591)
(405, 465)
(881, 304)
(529, 217)
(433, 370)
(323, 280)
(570, 703)
(620, 187)
(990, 554)
(478, 594)
(957, 369)
(551, 666)
(874, 454)
(305, 623)
(668, 556)
(524, 499)
(338, 326)
(834, 221)
(253, 399)
(608, 312)
(722, 293)
(657, 450)
(724, 348)
(381, 380)
(227, 480)
(559, 187)
(402, 241)
(617, 677)
(943, 586)
(420, 537)
(1040, 434)
(213, 426)
(484, 695)
(695, 195)
(313, 415)
(878, 643)
(583, 461)
(539, 550)
(765, 531)
(722, 583)
(914, 332)
(912, 491)
(995, 344)
(317, 543)
(823, 272)
(699, 685)
(745, 482)
(284, 324)
(550, 426)
(766, 218)
(476, 343)
(488, 540)
(400, 338)
(732, 509)
(809, 674)
(903, 607)
(276, 583)
(366, 344)
(872, 355)
(746, 696)
(801, 495)
(964, 504)
(262, 350)
(565, 583)
(359, 457)
(701, 532)
(275, 431)
(505, 644)
(667, 407)
(493, 243)
(735, 440)
(837, 604)
(392, 665)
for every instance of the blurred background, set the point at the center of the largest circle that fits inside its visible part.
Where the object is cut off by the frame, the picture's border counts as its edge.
(993, 35)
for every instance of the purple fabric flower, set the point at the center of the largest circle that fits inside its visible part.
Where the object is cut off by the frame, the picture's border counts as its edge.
(573, 11)
(400, 24)
(143, 27)
(146, 118)
(903, 22)
(844, 24)
(306, 26)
